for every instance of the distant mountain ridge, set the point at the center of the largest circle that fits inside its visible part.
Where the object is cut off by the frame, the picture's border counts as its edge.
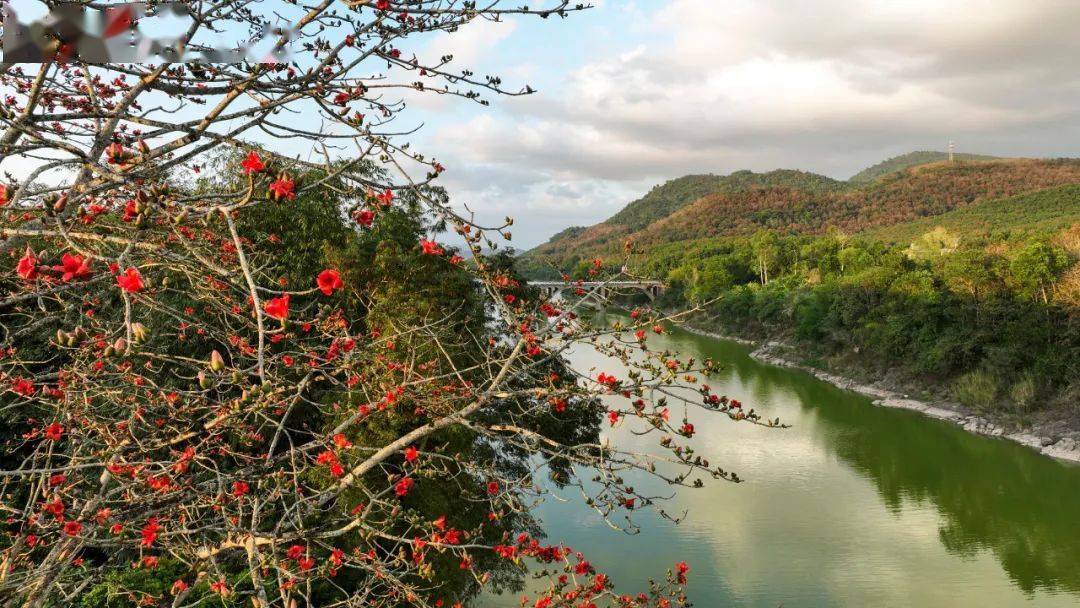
(911, 159)
(789, 201)
(669, 197)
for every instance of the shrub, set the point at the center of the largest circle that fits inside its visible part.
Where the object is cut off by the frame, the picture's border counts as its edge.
(1025, 391)
(977, 389)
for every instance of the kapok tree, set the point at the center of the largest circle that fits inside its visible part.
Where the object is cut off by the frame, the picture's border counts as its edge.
(234, 377)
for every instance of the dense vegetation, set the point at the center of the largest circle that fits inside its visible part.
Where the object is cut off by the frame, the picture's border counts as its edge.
(961, 277)
(252, 376)
(663, 200)
(671, 196)
(387, 283)
(906, 161)
(803, 203)
(992, 322)
(1047, 210)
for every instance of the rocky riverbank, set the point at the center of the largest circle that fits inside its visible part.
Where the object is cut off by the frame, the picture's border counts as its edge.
(773, 353)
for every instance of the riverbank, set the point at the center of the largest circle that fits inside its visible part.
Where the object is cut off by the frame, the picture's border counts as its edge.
(1043, 440)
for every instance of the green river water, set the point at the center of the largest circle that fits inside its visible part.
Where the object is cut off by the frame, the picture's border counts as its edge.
(854, 505)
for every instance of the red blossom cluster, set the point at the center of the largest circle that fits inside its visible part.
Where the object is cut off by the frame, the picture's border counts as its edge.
(375, 445)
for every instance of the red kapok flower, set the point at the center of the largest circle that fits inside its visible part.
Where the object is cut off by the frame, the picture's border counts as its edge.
(493, 487)
(385, 198)
(131, 210)
(73, 266)
(56, 508)
(365, 217)
(5, 194)
(149, 532)
(283, 188)
(239, 488)
(402, 487)
(54, 431)
(337, 556)
(252, 163)
(23, 387)
(131, 281)
(27, 266)
(278, 307)
(330, 459)
(431, 247)
(72, 528)
(411, 453)
(329, 280)
(680, 572)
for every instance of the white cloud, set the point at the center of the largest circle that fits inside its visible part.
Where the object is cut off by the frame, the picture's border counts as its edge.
(827, 85)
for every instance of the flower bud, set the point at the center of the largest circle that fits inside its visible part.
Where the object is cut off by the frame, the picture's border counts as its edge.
(217, 363)
(139, 332)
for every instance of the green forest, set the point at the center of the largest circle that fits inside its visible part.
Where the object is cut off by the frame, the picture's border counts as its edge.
(992, 323)
(796, 202)
(960, 280)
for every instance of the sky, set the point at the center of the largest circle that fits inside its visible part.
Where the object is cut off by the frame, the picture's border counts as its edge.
(632, 93)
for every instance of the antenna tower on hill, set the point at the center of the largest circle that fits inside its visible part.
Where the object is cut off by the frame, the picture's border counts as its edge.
(952, 151)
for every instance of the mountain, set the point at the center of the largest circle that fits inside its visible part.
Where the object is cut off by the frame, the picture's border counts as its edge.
(906, 161)
(669, 197)
(665, 200)
(797, 202)
(1051, 210)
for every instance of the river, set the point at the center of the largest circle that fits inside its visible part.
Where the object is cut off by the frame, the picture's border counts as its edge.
(853, 506)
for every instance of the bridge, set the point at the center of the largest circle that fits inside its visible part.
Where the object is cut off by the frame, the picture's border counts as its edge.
(601, 289)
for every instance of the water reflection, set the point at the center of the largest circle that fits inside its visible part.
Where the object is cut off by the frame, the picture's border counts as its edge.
(854, 506)
(993, 494)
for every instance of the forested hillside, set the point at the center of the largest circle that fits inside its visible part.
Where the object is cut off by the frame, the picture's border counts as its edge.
(664, 199)
(791, 202)
(667, 199)
(991, 323)
(906, 161)
(962, 278)
(1047, 210)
